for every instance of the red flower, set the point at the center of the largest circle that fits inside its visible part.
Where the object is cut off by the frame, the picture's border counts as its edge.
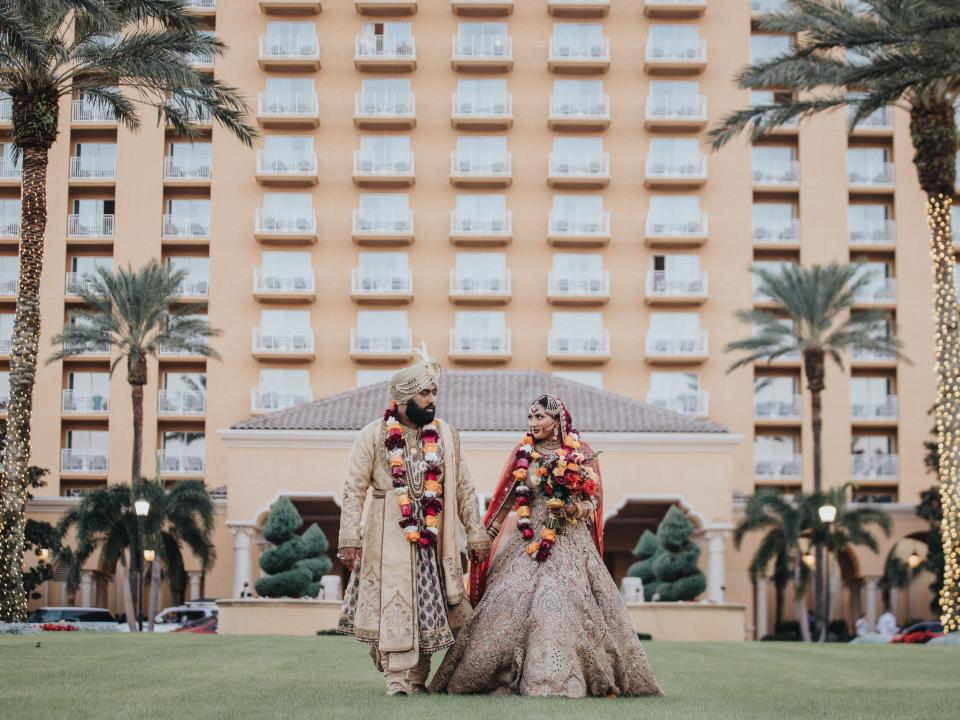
(589, 488)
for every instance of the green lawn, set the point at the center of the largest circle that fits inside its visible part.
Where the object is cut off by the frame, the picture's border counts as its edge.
(190, 676)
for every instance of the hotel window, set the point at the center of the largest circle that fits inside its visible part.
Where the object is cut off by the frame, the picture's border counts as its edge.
(283, 388)
(677, 391)
(775, 221)
(94, 159)
(184, 449)
(196, 210)
(92, 441)
(573, 212)
(671, 210)
(482, 151)
(387, 38)
(477, 212)
(87, 392)
(681, 329)
(579, 325)
(88, 264)
(195, 156)
(482, 97)
(185, 382)
(280, 266)
(767, 47)
(869, 222)
(9, 216)
(197, 269)
(385, 96)
(578, 40)
(290, 93)
(673, 40)
(578, 274)
(578, 150)
(386, 152)
(6, 331)
(578, 97)
(90, 210)
(873, 397)
(291, 38)
(382, 330)
(868, 165)
(776, 396)
(289, 153)
(592, 378)
(371, 377)
(384, 212)
(384, 271)
(4, 389)
(481, 271)
(774, 163)
(286, 325)
(482, 38)
(10, 166)
(676, 152)
(675, 98)
(288, 206)
(671, 268)
(480, 331)
(9, 274)
(779, 451)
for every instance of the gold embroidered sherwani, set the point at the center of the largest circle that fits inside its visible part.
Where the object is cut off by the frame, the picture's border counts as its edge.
(380, 606)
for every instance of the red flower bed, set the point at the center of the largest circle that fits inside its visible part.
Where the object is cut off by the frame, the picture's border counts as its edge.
(58, 627)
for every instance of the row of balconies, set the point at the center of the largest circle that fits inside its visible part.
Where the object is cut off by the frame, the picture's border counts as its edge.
(875, 467)
(93, 463)
(788, 410)
(879, 293)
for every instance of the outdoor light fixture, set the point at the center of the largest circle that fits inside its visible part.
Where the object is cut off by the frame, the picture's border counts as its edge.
(914, 561)
(809, 559)
(828, 513)
(44, 554)
(149, 555)
(142, 507)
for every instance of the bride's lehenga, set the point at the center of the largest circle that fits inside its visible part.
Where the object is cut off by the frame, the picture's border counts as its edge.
(552, 628)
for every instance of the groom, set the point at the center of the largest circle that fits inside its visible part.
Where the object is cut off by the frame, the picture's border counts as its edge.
(406, 596)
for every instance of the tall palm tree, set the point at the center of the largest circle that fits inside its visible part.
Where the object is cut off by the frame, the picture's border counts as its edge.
(812, 320)
(122, 55)
(892, 53)
(138, 313)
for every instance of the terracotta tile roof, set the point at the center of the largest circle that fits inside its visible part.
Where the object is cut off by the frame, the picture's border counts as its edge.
(488, 400)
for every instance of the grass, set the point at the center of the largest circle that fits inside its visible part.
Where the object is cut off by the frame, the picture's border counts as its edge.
(188, 676)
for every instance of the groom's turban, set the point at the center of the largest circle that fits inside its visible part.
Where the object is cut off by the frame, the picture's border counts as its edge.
(411, 380)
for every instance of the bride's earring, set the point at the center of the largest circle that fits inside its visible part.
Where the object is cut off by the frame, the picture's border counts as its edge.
(556, 432)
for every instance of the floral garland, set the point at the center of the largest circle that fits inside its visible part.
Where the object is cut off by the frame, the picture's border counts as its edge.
(425, 529)
(566, 478)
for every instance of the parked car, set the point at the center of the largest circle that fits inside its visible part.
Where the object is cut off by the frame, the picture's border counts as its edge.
(176, 617)
(203, 626)
(71, 614)
(919, 633)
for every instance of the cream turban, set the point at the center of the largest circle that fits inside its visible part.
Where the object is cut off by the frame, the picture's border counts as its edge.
(411, 380)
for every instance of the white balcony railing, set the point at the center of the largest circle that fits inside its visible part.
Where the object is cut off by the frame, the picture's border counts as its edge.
(283, 283)
(880, 119)
(194, 287)
(580, 164)
(675, 51)
(10, 169)
(467, 343)
(372, 164)
(473, 164)
(662, 226)
(660, 283)
(76, 283)
(884, 409)
(384, 105)
(881, 290)
(9, 281)
(282, 343)
(201, 4)
(871, 355)
(788, 407)
(6, 108)
(676, 107)
(182, 402)
(289, 163)
(879, 174)
(594, 49)
(466, 283)
(9, 226)
(382, 222)
(879, 466)
(80, 226)
(579, 285)
(199, 59)
(560, 343)
(185, 226)
(376, 47)
(86, 110)
(473, 105)
(883, 232)
(580, 106)
(167, 350)
(90, 168)
(685, 168)
(292, 48)
(677, 346)
(288, 223)
(186, 168)
(75, 347)
(695, 403)
(761, 7)
(76, 403)
(287, 105)
(463, 223)
(576, 224)
(6, 344)
(780, 467)
(178, 462)
(93, 462)
(482, 47)
(367, 282)
(400, 342)
(785, 232)
(776, 173)
(264, 400)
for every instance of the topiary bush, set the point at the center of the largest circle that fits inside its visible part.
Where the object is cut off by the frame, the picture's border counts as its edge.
(676, 567)
(296, 563)
(648, 549)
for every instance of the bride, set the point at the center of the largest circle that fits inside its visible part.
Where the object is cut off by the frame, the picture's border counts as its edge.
(550, 621)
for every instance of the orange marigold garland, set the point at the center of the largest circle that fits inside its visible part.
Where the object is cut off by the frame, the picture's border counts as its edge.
(420, 523)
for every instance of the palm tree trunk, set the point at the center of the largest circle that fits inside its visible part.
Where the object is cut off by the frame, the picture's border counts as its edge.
(779, 588)
(813, 363)
(800, 603)
(123, 585)
(154, 591)
(137, 377)
(934, 139)
(23, 370)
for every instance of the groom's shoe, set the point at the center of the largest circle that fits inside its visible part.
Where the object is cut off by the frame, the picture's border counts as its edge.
(397, 687)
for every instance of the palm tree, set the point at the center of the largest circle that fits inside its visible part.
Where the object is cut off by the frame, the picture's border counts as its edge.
(120, 55)
(139, 313)
(817, 325)
(901, 54)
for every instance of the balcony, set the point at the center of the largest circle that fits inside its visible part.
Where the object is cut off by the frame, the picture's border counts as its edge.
(91, 171)
(875, 467)
(471, 112)
(493, 229)
(696, 404)
(285, 345)
(664, 231)
(74, 404)
(200, 61)
(474, 170)
(378, 53)
(267, 401)
(578, 230)
(662, 289)
(879, 123)
(862, 357)
(667, 112)
(467, 348)
(467, 288)
(172, 352)
(10, 172)
(394, 110)
(85, 463)
(579, 112)
(288, 110)
(874, 413)
(178, 463)
(291, 227)
(676, 350)
(186, 230)
(376, 227)
(571, 347)
(780, 467)
(201, 8)
(776, 234)
(375, 170)
(289, 286)
(789, 128)
(6, 109)
(78, 283)
(776, 177)
(4, 403)
(871, 178)
(763, 7)
(187, 171)
(578, 8)
(9, 281)
(580, 289)
(79, 351)
(777, 410)
(193, 113)
(289, 53)
(181, 403)
(397, 346)
(88, 114)
(9, 228)
(674, 8)
(578, 170)
(286, 169)
(290, 7)
(94, 228)
(876, 235)
(482, 7)
(878, 293)
(579, 55)
(663, 172)
(675, 58)
(386, 7)
(482, 53)
(6, 343)
(381, 287)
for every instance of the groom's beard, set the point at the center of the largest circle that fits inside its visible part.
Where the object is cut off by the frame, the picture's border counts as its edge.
(420, 416)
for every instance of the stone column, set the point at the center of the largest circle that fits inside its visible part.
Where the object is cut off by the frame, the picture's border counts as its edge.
(762, 611)
(194, 588)
(242, 544)
(871, 602)
(86, 588)
(895, 602)
(716, 565)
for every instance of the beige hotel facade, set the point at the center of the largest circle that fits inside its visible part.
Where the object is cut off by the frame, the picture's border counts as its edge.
(521, 185)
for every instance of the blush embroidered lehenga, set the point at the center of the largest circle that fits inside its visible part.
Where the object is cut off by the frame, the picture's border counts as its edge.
(552, 628)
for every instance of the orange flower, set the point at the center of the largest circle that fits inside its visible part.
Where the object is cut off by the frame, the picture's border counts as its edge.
(431, 521)
(548, 534)
(403, 500)
(532, 548)
(523, 511)
(413, 536)
(396, 460)
(520, 473)
(570, 442)
(571, 466)
(433, 486)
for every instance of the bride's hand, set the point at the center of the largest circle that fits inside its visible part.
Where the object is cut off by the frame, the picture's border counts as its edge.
(570, 510)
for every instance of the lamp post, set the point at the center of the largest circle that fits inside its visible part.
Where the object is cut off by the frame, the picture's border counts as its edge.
(827, 513)
(142, 508)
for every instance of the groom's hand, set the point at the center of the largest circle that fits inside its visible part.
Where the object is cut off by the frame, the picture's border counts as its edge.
(350, 557)
(479, 554)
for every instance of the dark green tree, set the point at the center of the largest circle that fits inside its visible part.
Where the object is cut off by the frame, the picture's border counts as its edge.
(677, 572)
(931, 510)
(648, 549)
(296, 562)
